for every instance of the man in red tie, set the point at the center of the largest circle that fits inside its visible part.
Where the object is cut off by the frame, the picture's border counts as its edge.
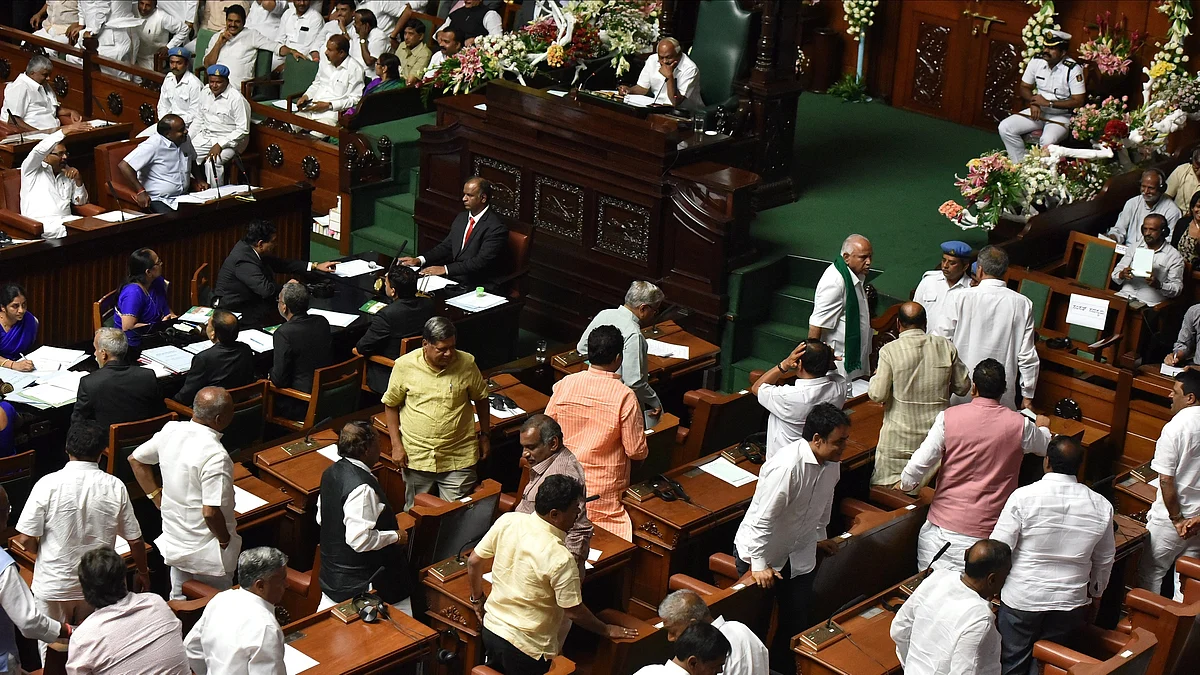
(470, 254)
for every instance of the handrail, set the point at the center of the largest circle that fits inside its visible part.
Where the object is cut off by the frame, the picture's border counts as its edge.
(12, 34)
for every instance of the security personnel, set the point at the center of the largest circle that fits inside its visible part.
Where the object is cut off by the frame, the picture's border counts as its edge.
(1060, 89)
(951, 276)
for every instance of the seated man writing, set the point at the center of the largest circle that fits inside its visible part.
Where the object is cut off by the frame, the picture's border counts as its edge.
(49, 186)
(159, 168)
(338, 85)
(477, 239)
(30, 104)
(669, 77)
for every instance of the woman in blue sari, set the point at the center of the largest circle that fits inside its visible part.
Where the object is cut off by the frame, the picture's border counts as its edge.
(387, 76)
(18, 328)
(142, 302)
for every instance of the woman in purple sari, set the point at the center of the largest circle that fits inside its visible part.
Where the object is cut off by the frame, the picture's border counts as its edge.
(142, 302)
(18, 328)
(8, 427)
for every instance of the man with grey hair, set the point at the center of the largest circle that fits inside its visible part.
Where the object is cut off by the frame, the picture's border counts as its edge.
(428, 405)
(1151, 199)
(238, 632)
(199, 528)
(29, 102)
(669, 77)
(543, 451)
(303, 344)
(841, 317)
(117, 392)
(992, 321)
(747, 656)
(642, 302)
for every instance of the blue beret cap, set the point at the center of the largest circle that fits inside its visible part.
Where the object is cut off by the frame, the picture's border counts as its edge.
(956, 248)
(219, 69)
(179, 51)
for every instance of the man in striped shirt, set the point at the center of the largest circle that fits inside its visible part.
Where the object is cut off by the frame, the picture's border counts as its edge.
(602, 423)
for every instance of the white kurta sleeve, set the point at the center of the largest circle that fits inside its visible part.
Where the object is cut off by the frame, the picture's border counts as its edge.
(926, 456)
(17, 602)
(360, 513)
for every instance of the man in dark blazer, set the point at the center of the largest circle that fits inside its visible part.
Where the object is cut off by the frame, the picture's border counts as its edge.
(302, 344)
(405, 315)
(228, 363)
(117, 392)
(471, 253)
(246, 282)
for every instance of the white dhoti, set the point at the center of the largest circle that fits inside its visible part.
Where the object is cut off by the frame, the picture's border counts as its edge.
(933, 538)
(1014, 127)
(214, 172)
(1164, 549)
(329, 117)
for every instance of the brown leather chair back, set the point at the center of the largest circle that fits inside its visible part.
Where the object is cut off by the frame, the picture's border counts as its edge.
(202, 286)
(123, 439)
(103, 309)
(10, 190)
(520, 245)
(108, 157)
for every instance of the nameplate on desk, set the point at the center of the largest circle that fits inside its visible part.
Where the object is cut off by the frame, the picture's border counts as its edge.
(346, 612)
(303, 445)
(639, 492)
(449, 569)
(821, 634)
(568, 359)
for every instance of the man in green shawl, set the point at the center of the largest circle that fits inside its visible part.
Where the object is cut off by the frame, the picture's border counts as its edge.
(841, 317)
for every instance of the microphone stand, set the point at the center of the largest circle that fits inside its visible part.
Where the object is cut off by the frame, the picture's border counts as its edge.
(113, 193)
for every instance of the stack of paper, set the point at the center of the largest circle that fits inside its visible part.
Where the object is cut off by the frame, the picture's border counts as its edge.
(430, 284)
(55, 393)
(729, 472)
(55, 358)
(335, 318)
(354, 268)
(160, 371)
(259, 341)
(505, 414)
(245, 501)
(197, 347)
(470, 302)
(118, 216)
(197, 314)
(667, 350)
(858, 387)
(330, 452)
(205, 196)
(1169, 371)
(16, 378)
(175, 359)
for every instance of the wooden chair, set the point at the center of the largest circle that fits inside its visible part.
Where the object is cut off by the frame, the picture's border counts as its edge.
(1189, 578)
(1173, 623)
(717, 422)
(561, 665)
(1117, 653)
(1051, 297)
(16, 477)
(1088, 260)
(334, 394)
(201, 289)
(661, 442)
(123, 439)
(407, 345)
(520, 245)
(444, 528)
(108, 157)
(301, 597)
(103, 310)
(249, 422)
(10, 207)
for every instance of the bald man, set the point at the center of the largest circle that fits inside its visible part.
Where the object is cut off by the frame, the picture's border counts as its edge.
(841, 316)
(669, 77)
(916, 375)
(747, 654)
(227, 363)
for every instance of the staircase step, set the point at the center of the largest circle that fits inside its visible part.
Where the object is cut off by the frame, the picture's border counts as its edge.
(404, 202)
(380, 238)
(805, 271)
(742, 369)
(792, 304)
(773, 340)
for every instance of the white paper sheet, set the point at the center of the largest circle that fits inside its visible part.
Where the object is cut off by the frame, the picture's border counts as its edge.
(174, 358)
(245, 501)
(639, 100)
(1143, 259)
(330, 452)
(121, 546)
(197, 347)
(354, 268)
(259, 341)
(667, 350)
(157, 368)
(51, 394)
(335, 318)
(429, 284)
(728, 472)
(1087, 311)
(210, 194)
(55, 358)
(505, 414)
(197, 314)
(296, 661)
(487, 576)
(470, 302)
(1169, 371)
(17, 379)
(594, 554)
(1154, 484)
(858, 387)
(116, 217)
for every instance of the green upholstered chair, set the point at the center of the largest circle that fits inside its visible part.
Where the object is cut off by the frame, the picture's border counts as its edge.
(1039, 294)
(719, 50)
(203, 37)
(335, 394)
(298, 75)
(1095, 267)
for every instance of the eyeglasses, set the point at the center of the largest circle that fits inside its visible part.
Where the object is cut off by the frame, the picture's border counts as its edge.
(60, 154)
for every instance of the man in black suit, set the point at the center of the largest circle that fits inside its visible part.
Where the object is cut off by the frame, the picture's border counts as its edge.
(302, 344)
(117, 392)
(405, 315)
(471, 253)
(228, 363)
(246, 282)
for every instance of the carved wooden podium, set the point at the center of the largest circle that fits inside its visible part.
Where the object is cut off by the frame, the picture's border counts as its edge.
(612, 197)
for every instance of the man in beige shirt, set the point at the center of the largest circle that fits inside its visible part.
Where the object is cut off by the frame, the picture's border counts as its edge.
(1183, 183)
(916, 374)
(414, 52)
(535, 583)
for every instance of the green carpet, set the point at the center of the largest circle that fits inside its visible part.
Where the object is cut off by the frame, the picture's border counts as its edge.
(878, 171)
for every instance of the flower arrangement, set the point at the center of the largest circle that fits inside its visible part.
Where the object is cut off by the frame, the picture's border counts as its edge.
(466, 70)
(860, 15)
(1168, 62)
(1090, 122)
(626, 27)
(991, 187)
(1182, 93)
(1034, 32)
(1153, 122)
(511, 50)
(1083, 179)
(1112, 48)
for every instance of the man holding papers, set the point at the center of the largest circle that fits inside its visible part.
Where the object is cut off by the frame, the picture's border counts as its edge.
(117, 392)
(227, 363)
(1150, 284)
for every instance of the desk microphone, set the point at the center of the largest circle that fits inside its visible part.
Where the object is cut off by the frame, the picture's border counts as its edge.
(839, 610)
(249, 196)
(929, 569)
(307, 443)
(20, 131)
(113, 193)
(216, 179)
(458, 556)
(583, 86)
(668, 314)
(308, 436)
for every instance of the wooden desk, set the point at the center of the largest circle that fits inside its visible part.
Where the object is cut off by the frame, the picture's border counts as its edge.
(449, 606)
(80, 147)
(701, 354)
(869, 649)
(270, 512)
(359, 648)
(1134, 492)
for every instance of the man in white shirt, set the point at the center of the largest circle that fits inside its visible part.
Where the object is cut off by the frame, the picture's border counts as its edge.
(946, 626)
(199, 536)
(816, 382)
(392, 14)
(1152, 200)
(747, 654)
(1174, 518)
(451, 42)
(784, 526)
(222, 127)
(338, 85)
(264, 16)
(184, 10)
(30, 104)
(950, 277)
(181, 89)
(159, 168)
(669, 77)
(302, 29)
(842, 319)
(49, 187)
(369, 40)
(238, 632)
(358, 533)
(159, 32)
(57, 20)
(1061, 534)
(700, 649)
(1166, 268)
(993, 321)
(237, 47)
(115, 26)
(70, 511)
(1060, 89)
(341, 19)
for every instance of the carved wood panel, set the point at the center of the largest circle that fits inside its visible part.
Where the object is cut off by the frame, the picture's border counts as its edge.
(623, 228)
(929, 70)
(1000, 79)
(558, 207)
(506, 184)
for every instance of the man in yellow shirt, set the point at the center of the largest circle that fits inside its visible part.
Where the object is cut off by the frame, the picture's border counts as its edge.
(414, 52)
(535, 582)
(427, 406)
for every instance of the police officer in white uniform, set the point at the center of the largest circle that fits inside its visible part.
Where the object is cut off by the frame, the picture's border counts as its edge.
(950, 277)
(1060, 89)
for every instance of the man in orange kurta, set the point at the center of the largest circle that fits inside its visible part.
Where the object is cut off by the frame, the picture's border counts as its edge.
(602, 424)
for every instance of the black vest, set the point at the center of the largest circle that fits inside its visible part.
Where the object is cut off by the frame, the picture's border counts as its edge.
(470, 21)
(344, 572)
